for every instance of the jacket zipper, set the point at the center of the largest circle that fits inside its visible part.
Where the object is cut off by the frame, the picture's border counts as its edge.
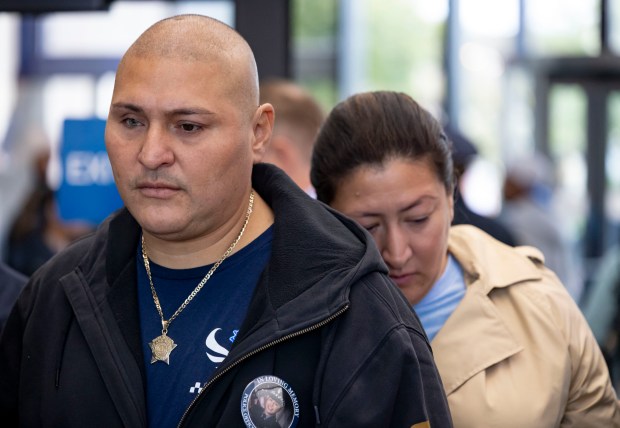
(256, 351)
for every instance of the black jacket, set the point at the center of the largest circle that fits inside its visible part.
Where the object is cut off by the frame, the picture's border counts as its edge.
(325, 318)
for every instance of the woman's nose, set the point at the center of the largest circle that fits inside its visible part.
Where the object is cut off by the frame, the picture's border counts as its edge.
(395, 249)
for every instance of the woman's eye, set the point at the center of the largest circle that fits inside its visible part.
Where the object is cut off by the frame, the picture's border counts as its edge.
(371, 228)
(418, 220)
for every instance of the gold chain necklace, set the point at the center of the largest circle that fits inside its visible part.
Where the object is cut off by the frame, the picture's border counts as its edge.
(163, 345)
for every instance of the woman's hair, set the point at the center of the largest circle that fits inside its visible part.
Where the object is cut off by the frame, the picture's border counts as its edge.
(372, 127)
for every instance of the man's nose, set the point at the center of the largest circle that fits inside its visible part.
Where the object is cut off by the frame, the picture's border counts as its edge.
(156, 148)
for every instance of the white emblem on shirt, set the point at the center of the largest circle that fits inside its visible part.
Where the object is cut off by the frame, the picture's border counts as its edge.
(212, 345)
(196, 388)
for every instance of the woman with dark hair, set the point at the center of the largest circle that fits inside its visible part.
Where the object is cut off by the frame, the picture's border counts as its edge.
(510, 344)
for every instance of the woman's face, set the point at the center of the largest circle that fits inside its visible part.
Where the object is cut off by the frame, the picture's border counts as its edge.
(408, 211)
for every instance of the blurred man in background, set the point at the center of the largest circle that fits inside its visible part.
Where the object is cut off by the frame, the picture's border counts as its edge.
(463, 154)
(11, 284)
(298, 119)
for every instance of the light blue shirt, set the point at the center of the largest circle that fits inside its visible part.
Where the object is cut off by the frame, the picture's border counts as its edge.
(442, 299)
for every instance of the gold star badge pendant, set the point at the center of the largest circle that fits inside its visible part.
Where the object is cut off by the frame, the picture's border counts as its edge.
(161, 347)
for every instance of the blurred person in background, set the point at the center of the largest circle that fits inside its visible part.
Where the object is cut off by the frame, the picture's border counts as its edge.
(11, 284)
(38, 232)
(601, 307)
(511, 345)
(463, 154)
(529, 211)
(298, 117)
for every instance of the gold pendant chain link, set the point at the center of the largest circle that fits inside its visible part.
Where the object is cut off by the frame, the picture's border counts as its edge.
(165, 323)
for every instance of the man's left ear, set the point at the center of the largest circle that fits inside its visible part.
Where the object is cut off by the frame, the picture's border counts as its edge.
(263, 127)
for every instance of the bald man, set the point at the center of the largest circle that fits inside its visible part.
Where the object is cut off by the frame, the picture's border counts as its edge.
(298, 119)
(219, 278)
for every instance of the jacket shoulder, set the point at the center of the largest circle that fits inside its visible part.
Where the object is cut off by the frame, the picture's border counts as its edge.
(380, 344)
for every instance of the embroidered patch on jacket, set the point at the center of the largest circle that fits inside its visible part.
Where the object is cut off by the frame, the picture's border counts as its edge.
(424, 424)
(268, 401)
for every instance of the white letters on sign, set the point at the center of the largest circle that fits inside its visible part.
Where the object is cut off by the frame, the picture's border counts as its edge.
(88, 168)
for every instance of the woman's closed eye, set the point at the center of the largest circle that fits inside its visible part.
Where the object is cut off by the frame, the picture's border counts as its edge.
(417, 220)
(370, 227)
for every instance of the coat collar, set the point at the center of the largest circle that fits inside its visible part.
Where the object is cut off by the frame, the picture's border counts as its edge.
(462, 347)
(303, 285)
(495, 264)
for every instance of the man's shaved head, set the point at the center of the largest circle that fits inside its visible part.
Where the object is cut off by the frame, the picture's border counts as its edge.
(184, 130)
(198, 38)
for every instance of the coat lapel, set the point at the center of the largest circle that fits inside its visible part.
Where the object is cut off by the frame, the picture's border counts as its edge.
(475, 336)
(459, 352)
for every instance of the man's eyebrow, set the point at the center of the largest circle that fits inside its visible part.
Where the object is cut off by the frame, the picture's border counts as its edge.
(126, 106)
(174, 112)
(189, 111)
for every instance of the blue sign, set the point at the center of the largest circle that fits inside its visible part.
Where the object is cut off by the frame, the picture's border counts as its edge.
(87, 191)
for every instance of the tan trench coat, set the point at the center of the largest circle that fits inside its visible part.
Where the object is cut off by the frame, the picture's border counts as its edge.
(517, 351)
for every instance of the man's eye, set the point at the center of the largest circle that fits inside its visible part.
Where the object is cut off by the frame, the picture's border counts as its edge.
(189, 127)
(131, 122)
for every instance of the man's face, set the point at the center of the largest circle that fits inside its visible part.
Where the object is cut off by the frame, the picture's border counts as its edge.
(180, 146)
(271, 406)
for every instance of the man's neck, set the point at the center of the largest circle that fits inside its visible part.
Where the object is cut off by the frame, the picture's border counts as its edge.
(208, 248)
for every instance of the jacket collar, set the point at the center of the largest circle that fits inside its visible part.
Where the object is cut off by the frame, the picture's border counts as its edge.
(488, 265)
(303, 284)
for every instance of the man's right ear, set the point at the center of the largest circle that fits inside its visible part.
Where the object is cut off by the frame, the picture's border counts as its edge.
(262, 130)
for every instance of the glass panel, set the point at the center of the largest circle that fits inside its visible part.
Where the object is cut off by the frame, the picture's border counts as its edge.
(8, 76)
(406, 55)
(517, 121)
(612, 169)
(98, 31)
(483, 51)
(562, 192)
(103, 94)
(474, 18)
(343, 47)
(614, 25)
(313, 56)
(567, 139)
(65, 96)
(567, 113)
(562, 27)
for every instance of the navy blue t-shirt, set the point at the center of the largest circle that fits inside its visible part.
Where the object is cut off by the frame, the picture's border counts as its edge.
(203, 331)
